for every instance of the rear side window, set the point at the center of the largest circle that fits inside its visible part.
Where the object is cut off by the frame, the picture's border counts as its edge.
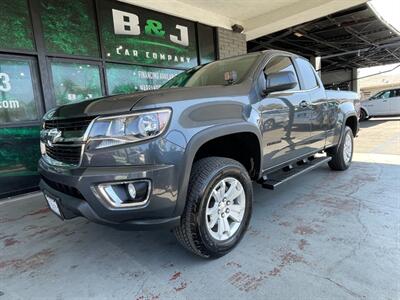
(395, 93)
(307, 73)
(280, 64)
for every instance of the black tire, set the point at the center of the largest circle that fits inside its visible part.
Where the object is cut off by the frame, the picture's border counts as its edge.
(363, 115)
(339, 162)
(192, 232)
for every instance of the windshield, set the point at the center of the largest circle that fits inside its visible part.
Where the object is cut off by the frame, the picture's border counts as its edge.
(382, 95)
(214, 73)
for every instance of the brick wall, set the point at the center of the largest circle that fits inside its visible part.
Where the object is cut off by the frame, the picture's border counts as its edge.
(230, 43)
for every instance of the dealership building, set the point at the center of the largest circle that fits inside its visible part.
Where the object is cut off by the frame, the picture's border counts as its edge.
(55, 52)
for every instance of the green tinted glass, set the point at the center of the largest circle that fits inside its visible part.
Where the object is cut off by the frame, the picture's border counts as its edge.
(206, 43)
(69, 27)
(15, 25)
(124, 79)
(75, 82)
(23, 161)
(18, 169)
(17, 95)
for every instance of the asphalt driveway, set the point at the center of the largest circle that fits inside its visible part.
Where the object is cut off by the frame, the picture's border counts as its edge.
(326, 235)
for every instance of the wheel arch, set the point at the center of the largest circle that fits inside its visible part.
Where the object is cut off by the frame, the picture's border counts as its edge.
(366, 111)
(203, 138)
(352, 122)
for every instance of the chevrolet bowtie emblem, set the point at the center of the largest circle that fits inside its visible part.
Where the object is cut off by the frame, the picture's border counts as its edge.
(53, 136)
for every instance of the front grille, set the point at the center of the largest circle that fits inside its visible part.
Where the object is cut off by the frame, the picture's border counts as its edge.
(68, 154)
(66, 189)
(74, 127)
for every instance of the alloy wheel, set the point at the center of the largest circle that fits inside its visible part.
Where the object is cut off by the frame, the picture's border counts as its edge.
(347, 149)
(225, 208)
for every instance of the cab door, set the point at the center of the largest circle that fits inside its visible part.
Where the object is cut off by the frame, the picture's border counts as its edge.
(395, 102)
(318, 105)
(285, 118)
(379, 105)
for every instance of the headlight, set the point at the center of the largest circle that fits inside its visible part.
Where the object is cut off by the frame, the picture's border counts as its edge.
(49, 114)
(112, 131)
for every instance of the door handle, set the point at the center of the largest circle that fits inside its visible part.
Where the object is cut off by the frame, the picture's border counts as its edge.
(303, 104)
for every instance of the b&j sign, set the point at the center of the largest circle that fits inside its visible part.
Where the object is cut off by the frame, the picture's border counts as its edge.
(141, 36)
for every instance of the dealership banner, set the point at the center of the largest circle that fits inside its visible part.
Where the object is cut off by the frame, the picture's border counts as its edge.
(123, 79)
(138, 35)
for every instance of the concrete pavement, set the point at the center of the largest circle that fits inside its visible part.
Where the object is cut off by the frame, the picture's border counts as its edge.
(326, 235)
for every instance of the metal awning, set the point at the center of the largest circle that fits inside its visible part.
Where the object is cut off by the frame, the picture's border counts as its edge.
(353, 38)
(258, 17)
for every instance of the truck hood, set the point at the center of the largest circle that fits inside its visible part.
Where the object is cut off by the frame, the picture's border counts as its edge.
(140, 100)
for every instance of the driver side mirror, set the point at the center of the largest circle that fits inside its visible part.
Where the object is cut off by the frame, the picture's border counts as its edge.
(280, 81)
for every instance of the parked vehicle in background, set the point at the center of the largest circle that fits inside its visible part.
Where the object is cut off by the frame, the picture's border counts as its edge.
(383, 104)
(185, 156)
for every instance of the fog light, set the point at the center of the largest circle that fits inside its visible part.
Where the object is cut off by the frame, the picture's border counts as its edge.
(126, 194)
(132, 190)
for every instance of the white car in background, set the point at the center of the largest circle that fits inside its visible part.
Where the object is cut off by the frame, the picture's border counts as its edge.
(384, 103)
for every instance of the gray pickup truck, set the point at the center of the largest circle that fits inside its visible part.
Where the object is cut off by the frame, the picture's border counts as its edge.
(184, 157)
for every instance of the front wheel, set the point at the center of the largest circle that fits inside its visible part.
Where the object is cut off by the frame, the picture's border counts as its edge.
(218, 207)
(343, 154)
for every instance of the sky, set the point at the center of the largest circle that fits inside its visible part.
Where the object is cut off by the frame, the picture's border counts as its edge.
(373, 70)
(389, 10)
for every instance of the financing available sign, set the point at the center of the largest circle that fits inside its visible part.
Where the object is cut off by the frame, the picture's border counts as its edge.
(138, 35)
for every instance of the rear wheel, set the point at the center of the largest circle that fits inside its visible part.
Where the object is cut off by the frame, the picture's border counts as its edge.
(343, 154)
(363, 115)
(218, 207)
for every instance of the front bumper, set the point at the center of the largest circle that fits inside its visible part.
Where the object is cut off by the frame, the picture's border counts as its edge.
(77, 194)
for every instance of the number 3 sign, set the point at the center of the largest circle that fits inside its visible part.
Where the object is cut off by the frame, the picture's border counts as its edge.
(5, 85)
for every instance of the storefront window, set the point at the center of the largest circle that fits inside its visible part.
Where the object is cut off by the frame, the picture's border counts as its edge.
(17, 95)
(19, 154)
(15, 25)
(206, 43)
(124, 79)
(69, 27)
(75, 82)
